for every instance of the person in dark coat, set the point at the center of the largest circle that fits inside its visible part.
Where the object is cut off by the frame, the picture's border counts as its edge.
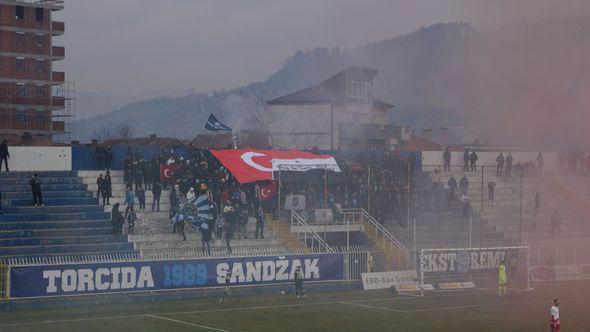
(509, 161)
(466, 160)
(156, 192)
(137, 177)
(117, 219)
(1, 201)
(99, 155)
(98, 184)
(4, 155)
(109, 157)
(174, 201)
(105, 189)
(140, 194)
(473, 159)
(451, 193)
(499, 164)
(205, 237)
(464, 184)
(491, 192)
(447, 160)
(36, 190)
(260, 223)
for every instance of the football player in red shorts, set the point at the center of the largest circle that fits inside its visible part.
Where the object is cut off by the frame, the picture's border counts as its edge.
(555, 326)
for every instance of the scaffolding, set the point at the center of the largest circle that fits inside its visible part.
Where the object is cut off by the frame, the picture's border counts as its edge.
(28, 109)
(67, 114)
(51, 4)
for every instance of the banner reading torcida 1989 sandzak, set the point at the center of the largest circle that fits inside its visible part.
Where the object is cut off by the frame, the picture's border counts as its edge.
(96, 278)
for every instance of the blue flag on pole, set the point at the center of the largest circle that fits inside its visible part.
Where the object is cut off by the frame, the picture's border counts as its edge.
(215, 125)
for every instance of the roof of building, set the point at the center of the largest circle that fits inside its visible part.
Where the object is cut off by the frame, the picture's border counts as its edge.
(417, 143)
(328, 91)
(217, 141)
(150, 141)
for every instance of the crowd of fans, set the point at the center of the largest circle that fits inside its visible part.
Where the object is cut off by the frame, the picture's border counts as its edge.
(574, 161)
(196, 173)
(385, 184)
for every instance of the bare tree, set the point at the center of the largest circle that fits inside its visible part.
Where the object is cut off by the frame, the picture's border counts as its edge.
(258, 109)
(124, 131)
(103, 134)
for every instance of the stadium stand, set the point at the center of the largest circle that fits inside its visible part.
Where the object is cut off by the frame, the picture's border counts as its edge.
(71, 222)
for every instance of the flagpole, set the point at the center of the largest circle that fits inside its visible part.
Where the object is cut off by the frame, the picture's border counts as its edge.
(369, 189)
(279, 208)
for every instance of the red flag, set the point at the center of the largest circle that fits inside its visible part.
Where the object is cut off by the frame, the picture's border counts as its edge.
(266, 192)
(250, 165)
(167, 172)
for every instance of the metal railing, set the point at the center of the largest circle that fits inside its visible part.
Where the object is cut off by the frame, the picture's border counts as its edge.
(316, 240)
(196, 254)
(353, 216)
(4, 282)
(397, 252)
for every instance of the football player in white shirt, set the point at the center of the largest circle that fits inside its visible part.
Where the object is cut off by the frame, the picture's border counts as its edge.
(555, 326)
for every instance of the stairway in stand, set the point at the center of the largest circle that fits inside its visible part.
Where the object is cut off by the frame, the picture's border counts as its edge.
(71, 222)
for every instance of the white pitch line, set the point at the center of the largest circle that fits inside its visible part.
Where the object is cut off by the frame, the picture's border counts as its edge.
(372, 307)
(471, 306)
(187, 323)
(446, 294)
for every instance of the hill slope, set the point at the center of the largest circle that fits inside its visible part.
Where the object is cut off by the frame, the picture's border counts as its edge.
(525, 84)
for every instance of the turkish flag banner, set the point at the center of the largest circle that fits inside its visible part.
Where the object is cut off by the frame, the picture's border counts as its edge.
(266, 192)
(250, 165)
(167, 172)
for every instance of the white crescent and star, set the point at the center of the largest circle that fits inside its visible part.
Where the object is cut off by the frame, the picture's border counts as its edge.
(248, 159)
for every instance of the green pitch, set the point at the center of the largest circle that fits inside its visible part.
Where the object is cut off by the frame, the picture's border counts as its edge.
(480, 310)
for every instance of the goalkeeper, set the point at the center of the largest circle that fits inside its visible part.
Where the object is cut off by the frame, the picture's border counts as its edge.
(502, 279)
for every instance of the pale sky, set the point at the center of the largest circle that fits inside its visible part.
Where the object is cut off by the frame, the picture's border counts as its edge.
(143, 45)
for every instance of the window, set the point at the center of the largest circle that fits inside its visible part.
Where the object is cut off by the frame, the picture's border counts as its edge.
(21, 90)
(39, 91)
(19, 38)
(40, 65)
(39, 14)
(20, 115)
(358, 90)
(40, 116)
(19, 12)
(40, 40)
(20, 64)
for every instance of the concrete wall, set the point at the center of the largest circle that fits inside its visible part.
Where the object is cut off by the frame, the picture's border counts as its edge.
(301, 126)
(431, 158)
(48, 158)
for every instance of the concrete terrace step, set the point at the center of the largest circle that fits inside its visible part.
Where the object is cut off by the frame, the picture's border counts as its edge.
(65, 248)
(44, 181)
(57, 201)
(68, 232)
(240, 251)
(62, 240)
(94, 174)
(48, 194)
(41, 225)
(55, 217)
(53, 209)
(168, 236)
(179, 244)
(44, 187)
(41, 174)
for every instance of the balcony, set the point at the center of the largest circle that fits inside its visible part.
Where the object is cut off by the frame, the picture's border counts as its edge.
(58, 28)
(59, 126)
(59, 77)
(58, 52)
(58, 102)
